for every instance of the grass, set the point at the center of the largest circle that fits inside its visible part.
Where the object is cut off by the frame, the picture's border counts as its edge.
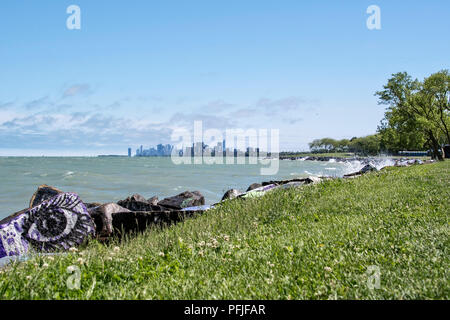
(325, 241)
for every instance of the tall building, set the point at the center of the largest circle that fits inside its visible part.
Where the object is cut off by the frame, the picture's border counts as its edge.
(129, 152)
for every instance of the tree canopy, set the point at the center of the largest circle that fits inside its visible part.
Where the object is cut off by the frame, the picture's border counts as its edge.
(417, 115)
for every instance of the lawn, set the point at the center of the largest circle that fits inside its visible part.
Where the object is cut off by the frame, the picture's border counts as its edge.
(381, 236)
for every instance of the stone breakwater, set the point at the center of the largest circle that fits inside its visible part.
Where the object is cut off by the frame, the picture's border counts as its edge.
(56, 221)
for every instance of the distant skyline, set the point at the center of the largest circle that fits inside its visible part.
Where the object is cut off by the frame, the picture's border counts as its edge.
(138, 69)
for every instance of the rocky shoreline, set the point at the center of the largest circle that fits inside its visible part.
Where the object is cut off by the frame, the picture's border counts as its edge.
(56, 221)
(402, 162)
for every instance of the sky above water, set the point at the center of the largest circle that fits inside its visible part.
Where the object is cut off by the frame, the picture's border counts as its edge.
(136, 70)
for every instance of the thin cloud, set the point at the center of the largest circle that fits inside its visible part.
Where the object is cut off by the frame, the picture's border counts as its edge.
(76, 89)
(4, 105)
(33, 104)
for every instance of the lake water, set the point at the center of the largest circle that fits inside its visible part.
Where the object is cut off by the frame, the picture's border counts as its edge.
(112, 179)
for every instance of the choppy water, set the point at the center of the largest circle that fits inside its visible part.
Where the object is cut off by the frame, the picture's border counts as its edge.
(113, 179)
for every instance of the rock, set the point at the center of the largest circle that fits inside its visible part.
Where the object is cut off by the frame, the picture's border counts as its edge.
(183, 200)
(259, 192)
(312, 179)
(231, 194)
(367, 168)
(254, 186)
(153, 200)
(138, 203)
(292, 185)
(103, 218)
(92, 205)
(57, 223)
(43, 192)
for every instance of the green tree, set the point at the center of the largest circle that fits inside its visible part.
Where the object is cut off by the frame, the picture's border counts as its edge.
(417, 112)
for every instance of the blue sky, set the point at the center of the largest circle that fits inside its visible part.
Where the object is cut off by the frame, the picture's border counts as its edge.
(138, 69)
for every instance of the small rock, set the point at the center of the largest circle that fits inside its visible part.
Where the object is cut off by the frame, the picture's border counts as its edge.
(312, 179)
(254, 186)
(153, 200)
(231, 194)
(367, 168)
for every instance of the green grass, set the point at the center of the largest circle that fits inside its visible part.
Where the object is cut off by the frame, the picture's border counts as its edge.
(316, 242)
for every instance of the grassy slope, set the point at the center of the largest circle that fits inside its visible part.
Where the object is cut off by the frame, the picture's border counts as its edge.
(311, 243)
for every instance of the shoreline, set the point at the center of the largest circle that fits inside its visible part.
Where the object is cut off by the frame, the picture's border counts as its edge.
(105, 221)
(336, 231)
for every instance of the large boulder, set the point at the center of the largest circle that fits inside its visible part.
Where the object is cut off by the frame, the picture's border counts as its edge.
(138, 203)
(183, 200)
(43, 192)
(55, 224)
(103, 218)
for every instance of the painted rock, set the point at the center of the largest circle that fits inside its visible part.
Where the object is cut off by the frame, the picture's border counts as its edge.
(43, 192)
(55, 224)
(259, 192)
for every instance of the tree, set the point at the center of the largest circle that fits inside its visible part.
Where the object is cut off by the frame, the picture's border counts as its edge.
(418, 112)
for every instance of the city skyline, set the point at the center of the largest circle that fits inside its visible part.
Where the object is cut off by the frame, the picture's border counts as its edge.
(195, 149)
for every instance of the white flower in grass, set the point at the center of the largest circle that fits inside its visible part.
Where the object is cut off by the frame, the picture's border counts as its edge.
(161, 254)
(71, 269)
(116, 249)
(80, 260)
(45, 265)
(50, 258)
(73, 249)
(28, 277)
(328, 269)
